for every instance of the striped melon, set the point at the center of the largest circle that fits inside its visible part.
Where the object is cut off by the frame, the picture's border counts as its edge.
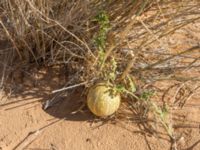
(101, 101)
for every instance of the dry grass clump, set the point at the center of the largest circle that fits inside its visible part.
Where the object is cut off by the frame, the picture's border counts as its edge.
(125, 43)
(46, 31)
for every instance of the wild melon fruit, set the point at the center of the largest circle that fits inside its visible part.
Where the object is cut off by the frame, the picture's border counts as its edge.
(102, 101)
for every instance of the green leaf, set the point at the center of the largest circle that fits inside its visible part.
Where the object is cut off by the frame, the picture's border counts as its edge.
(146, 95)
(132, 85)
(120, 88)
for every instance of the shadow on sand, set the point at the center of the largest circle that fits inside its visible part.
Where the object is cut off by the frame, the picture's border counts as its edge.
(36, 85)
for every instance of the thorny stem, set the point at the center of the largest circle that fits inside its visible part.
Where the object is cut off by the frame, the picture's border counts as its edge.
(111, 47)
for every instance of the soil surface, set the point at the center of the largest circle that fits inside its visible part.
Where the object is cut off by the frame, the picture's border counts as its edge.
(26, 124)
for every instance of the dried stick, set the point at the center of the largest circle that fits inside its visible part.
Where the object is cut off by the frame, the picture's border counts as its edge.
(8, 34)
(70, 87)
(169, 58)
(125, 32)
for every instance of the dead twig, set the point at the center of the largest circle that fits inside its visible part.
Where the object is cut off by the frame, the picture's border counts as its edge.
(70, 87)
(167, 59)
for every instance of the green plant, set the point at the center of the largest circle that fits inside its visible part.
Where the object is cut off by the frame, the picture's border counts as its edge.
(113, 69)
(127, 86)
(108, 70)
(104, 25)
(100, 38)
(160, 113)
(146, 95)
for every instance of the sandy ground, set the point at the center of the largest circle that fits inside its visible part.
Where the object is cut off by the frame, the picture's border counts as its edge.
(22, 115)
(24, 124)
